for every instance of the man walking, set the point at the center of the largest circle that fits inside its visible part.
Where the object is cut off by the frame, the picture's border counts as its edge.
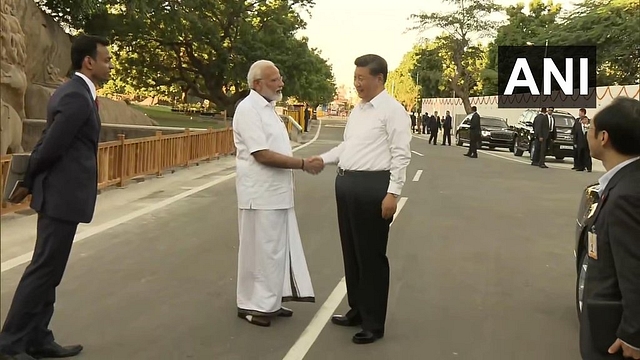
(544, 127)
(446, 129)
(66, 156)
(271, 264)
(610, 317)
(372, 162)
(475, 134)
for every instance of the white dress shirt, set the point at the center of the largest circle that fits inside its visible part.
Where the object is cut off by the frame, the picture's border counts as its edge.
(92, 86)
(257, 126)
(377, 137)
(604, 179)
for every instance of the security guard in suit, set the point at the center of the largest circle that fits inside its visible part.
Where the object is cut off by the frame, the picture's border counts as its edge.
(610, 318)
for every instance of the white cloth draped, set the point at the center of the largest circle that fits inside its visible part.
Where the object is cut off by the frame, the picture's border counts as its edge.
(271, 263)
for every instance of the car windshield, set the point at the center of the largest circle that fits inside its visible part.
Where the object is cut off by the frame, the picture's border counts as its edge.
(563, 120)
(492, 122)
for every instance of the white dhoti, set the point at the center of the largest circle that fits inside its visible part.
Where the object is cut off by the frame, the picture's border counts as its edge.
(271, 264)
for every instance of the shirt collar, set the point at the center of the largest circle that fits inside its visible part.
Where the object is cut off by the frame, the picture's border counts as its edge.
(260, 100)
(377, 100)
(92, 87)
(604, 179)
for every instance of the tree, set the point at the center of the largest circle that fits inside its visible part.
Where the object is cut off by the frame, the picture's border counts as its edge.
(318, 85)
(402, 85)
(611, 25)
(429, 71)
(206, 47)
(471, 18)
(534, 27)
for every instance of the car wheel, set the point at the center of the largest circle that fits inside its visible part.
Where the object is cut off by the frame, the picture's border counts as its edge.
(458, 140)
(515, 149)
(580, 281)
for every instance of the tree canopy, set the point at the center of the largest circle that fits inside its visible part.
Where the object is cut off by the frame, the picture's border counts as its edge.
(206, 47)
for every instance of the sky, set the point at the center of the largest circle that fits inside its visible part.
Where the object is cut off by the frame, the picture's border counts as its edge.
(346, 29)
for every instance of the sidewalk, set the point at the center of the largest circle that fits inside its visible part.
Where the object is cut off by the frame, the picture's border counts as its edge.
(18, 230)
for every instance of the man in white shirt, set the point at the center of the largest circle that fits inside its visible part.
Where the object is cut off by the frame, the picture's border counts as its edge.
(610, 317)
(372, 162)
(271, 264)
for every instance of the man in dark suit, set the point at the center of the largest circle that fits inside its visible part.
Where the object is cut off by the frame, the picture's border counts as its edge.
(62, 178)
(544, 128)
(577, 126)
(446, 128)
(425, 123)
(475, 132)
(610, 317)
(582, 159)
(434, 126)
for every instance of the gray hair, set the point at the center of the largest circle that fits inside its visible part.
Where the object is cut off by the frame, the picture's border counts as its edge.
(255, 71)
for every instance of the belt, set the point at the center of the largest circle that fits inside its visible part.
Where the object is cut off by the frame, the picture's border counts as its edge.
(342, 171)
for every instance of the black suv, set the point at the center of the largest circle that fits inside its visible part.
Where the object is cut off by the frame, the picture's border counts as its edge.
(560, 148)
(586, 209)
(496, 133)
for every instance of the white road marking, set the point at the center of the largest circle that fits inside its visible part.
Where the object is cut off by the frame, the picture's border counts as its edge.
(313, 330)
(417, 176)
(19, 260)
(417, 153)
(555, 166)
(335, 126)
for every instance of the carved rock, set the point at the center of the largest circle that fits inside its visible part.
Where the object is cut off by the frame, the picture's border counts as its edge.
(10, 130)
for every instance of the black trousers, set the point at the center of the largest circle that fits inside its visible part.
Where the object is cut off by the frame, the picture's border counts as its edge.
(540, 151)
(446, 137)
(27, 323)
(433, 137)
(474, 140)
(364, 234)
(583, 158)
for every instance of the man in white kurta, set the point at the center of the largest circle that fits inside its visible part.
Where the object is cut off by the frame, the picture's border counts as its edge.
(271, 262)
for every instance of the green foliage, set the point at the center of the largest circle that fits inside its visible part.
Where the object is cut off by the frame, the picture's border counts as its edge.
(206, 48)
(401, 82)
(460, 55)
(611, 25)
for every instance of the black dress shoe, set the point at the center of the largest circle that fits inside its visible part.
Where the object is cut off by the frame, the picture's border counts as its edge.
(367, 337)
(284, 312)
(54, 350)
(263, 321)
(543, 166)
(343, 320)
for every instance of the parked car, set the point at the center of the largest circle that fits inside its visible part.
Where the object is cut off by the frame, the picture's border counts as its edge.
(496, 133)
(586, 209)
(560, 148)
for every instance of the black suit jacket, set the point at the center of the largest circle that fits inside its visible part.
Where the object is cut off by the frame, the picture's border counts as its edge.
(579, 137)
(474, 125)
(433, 124)
(614, 276)
(63, 171)
(446, 124)
(541, 127)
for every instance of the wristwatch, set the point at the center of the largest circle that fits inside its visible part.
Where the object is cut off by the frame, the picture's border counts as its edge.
(394, 195)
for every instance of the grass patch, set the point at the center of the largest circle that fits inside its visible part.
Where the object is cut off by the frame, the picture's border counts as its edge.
(165, 117)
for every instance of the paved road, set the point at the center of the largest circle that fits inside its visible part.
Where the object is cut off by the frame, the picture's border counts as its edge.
(481, 259)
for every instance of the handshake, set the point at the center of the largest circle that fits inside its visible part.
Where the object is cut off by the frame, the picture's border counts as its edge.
(313, 165)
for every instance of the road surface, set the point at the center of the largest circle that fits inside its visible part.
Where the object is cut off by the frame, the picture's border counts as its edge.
(481, 258)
